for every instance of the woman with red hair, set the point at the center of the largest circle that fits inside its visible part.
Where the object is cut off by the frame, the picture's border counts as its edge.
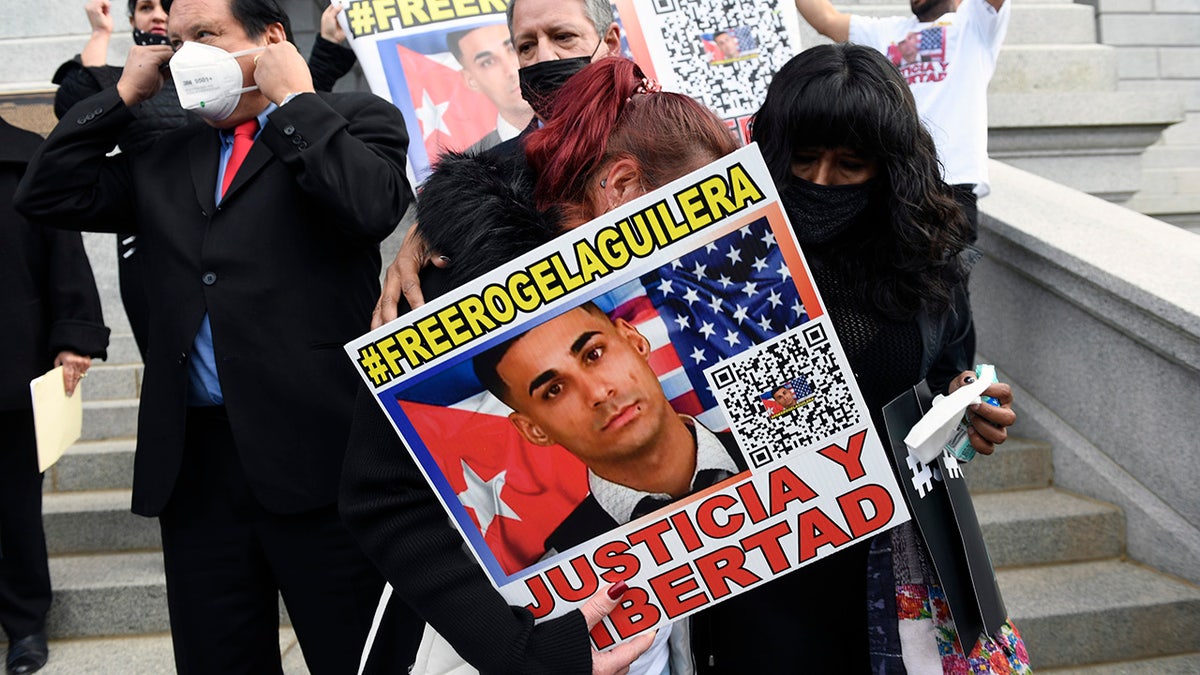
(613, 136)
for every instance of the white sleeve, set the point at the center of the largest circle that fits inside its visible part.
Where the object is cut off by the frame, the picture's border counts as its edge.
(989, 24)
(876, 32)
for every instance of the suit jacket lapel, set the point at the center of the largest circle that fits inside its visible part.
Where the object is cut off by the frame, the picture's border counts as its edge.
(255, 160)
(204, 152)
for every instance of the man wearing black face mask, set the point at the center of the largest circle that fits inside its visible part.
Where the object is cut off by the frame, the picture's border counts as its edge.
(554, 39)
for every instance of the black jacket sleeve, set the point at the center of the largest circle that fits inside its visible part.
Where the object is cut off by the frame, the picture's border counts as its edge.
(76, 82)
(328, 63)
(76, 321)
(405, 531)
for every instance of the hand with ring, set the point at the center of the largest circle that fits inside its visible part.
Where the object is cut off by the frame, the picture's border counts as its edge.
(75, 368)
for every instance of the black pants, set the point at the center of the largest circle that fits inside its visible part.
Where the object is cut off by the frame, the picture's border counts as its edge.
(228, 559)
(24, 571)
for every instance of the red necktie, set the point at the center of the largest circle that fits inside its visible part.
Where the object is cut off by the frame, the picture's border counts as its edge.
(243, 138)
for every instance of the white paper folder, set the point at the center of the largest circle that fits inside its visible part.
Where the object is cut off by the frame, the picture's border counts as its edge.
(57, 418)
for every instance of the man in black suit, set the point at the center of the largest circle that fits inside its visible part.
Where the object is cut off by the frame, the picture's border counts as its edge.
(584, 381)
(52, 317)
(256, 275)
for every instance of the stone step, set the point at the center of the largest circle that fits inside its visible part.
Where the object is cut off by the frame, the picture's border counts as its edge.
(1035, 527)
(96, 522)
(122, 349)
(108, 594)
(1018, 464)
(116, 418)
(1098, 612)
(106, 382)
(1171, 157)
(93, 465)
(1041, 23)
(142, 655)
(1183, 664)
(1077, 67)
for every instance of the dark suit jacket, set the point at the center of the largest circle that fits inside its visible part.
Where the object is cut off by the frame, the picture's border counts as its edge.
(589, 519)
(287, 268)
(47, 294)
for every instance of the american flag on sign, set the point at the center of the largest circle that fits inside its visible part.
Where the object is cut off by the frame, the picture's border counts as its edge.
(933, 44)
(710, 304)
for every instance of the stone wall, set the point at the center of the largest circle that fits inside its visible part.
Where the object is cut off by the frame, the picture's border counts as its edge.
(1094, 312)
(1158, 47)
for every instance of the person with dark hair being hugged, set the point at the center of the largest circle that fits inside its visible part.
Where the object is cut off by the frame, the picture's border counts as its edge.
(246, 405)
(613, 137)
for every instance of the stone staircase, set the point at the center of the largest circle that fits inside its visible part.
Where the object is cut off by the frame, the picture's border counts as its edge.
(109, 613)
(1081, 606)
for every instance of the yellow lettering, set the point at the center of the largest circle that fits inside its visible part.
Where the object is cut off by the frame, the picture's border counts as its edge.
(546, 283)
(412, 12)
(693, 209)
(590, 265)
(676, 230)
(612, 248)
(560, 270)
(439, 10)
(520, 288)
(716, 195)
(639, 240)
(385, 11)
(390, 355)
(744, 189)
(500, 305)
(452, 321)
(410, 343)
(465, 8)
(433, 335)
(476, 315)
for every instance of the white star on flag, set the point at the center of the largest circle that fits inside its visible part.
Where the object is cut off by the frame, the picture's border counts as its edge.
(665, 286)
(768, 239)
(725, 281)
(430, 115)
(683, 322)
(707, 330)
(483, 497)
(710, 247)
(716, 303)
(740, 314)
(734, 255)
(797, 308)
(691, 296)
(783, 271)
(750, 289)
(698, 355)
(764, 322)
(775, 299)
(699, 270)
(731, 337)
(759, 264)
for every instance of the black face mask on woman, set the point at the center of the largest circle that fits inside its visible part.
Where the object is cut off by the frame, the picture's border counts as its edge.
(819, 213)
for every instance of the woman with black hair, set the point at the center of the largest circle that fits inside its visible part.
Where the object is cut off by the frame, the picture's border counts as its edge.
(858, 177)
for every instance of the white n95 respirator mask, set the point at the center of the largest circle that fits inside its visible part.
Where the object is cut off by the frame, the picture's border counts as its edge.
(208, 79)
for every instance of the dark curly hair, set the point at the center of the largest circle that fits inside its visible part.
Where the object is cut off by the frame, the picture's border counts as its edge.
(843, 95)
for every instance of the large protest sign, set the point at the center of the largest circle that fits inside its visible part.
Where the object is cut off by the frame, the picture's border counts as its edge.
(543, 401)
(449, 67)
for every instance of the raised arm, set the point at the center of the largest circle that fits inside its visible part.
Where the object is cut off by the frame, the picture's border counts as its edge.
(99, 14)
(821, 15)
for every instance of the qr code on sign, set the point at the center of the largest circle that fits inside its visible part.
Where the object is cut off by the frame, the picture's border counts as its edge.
(724, 52)
(784, 394)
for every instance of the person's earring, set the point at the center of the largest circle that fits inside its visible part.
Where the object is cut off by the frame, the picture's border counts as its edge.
(603, 182)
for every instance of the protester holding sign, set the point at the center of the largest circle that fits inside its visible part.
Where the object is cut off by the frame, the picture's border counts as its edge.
(606, 144)
(858, 176)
